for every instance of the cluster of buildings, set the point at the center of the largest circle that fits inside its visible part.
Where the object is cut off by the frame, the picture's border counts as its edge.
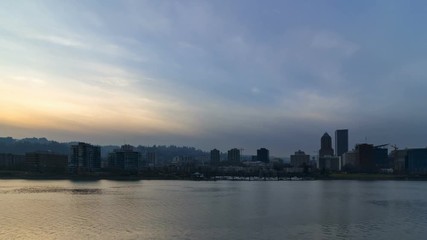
(41, 162)
(86, 158)
(234, 157)
(83, 158)
(364, 158)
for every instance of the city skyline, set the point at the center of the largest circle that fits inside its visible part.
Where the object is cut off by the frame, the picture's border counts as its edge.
(261, 153)
(214, 74)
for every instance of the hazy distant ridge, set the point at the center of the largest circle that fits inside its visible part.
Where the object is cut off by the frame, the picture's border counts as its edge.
(22, 146)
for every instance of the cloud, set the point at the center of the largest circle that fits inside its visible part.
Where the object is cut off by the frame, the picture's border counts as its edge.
(316, 57)
(112, 75)
(255, 90)
(332, 41)
(413, 72)
(60, 40)
(27, 80)
(206, 72)
(314, 106)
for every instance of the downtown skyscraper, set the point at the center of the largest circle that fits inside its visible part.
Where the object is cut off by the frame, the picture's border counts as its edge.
(326, 146)
(341, 141)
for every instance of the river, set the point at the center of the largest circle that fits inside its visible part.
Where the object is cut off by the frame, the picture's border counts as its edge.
(41, 209)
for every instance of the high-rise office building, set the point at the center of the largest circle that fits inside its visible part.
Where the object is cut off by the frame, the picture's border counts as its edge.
(234, 156)
(46, 162)
(125, 159)
(215, 157)
(326, 146)
(263, 155)
(372, 158)
(10, 161)
(341, 141)
(415, 160)
(85, 157)
(300, 159)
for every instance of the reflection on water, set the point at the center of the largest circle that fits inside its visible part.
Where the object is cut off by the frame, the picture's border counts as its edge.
(54, 190)
(212, 210)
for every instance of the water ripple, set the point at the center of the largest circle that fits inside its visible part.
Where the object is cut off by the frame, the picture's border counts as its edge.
(78, 191)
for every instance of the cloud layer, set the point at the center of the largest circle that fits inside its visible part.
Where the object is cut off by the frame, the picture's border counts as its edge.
(211, 74)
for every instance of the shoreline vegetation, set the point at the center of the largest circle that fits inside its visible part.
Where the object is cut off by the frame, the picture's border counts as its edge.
(13, 175)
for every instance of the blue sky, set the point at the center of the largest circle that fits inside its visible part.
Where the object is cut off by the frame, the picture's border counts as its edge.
(223, 74)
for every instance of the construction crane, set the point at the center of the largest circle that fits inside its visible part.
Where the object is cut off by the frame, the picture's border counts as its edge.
(382, 145)
(394, 146)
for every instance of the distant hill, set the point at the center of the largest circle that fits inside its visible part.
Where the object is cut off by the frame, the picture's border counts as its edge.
(22, 146)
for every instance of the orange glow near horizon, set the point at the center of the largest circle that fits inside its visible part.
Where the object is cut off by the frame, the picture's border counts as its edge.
(37, 104)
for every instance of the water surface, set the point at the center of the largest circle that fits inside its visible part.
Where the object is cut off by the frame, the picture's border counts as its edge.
(213, 210)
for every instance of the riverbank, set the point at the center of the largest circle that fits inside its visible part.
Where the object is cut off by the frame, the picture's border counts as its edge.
(87, 177)
(369, 177)
(102, 176)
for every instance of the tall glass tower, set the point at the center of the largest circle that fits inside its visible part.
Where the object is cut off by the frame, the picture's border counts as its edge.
(341, 141)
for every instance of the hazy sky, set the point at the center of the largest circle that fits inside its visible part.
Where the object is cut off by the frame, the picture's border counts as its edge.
(232, 73)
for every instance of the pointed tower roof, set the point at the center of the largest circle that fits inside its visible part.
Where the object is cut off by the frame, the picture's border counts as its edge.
(326, 135)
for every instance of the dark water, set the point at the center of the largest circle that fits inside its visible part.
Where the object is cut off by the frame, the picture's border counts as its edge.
(213, 210)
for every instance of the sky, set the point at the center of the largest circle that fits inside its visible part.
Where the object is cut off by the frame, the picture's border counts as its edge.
(215, 74)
